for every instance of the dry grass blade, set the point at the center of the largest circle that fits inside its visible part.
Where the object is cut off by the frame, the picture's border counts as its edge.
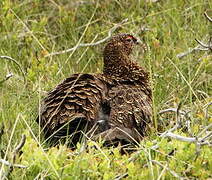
(168, 169)
(119, 177)
(201, 47)
(207, 16)
(16, 62)
(28, 29)
(110, 32)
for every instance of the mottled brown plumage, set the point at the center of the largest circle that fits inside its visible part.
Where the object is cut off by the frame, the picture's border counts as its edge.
(115, 105)
(129, 93)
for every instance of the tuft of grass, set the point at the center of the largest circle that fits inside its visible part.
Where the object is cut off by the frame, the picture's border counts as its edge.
(32, 29)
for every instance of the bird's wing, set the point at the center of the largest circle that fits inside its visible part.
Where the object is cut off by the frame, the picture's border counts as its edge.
(77, 98)
(130, 111)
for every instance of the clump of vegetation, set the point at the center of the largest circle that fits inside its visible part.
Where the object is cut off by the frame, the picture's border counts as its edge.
(179, 145)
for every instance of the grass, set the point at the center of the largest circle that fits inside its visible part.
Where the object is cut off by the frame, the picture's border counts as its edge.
(31, 29)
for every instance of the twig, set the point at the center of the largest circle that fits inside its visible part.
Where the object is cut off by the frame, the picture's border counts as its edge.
(201, 47)
(8, 76)
(208, 104)
(10, 164)
(178, 115)
(207, 136)
(110, 32)
(191, 50)
(165, 167)
(178, 121)
(209, 143)
(151, 1)
(20, 145)
(178, 125)
(206, 46)
(205, 129)
(1, 131)
(179, 137)
(206, 109)
(209, 18)
(204, 94)
(18, 148)
(169, 131)
(197, 140)
(178, 112)
(16, 62)
(15, 152)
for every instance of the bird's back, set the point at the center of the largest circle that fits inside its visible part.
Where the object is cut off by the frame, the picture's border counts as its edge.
(72, 106)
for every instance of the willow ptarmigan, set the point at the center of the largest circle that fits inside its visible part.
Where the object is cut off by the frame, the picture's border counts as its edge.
(114, 105)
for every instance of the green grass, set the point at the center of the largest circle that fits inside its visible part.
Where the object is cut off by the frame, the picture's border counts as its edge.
(31, 29)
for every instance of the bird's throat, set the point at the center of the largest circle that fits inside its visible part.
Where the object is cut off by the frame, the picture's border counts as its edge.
(122, 67)
(116, 65)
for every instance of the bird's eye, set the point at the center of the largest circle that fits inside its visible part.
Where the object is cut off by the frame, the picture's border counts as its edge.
(129, 39)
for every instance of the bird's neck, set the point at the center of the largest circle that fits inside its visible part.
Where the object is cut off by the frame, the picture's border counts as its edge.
(122, 67)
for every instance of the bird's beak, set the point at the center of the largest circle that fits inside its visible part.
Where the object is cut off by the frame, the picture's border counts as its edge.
(141, 44)
(137, 42)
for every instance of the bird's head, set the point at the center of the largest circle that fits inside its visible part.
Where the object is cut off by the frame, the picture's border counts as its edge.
(121, 44)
